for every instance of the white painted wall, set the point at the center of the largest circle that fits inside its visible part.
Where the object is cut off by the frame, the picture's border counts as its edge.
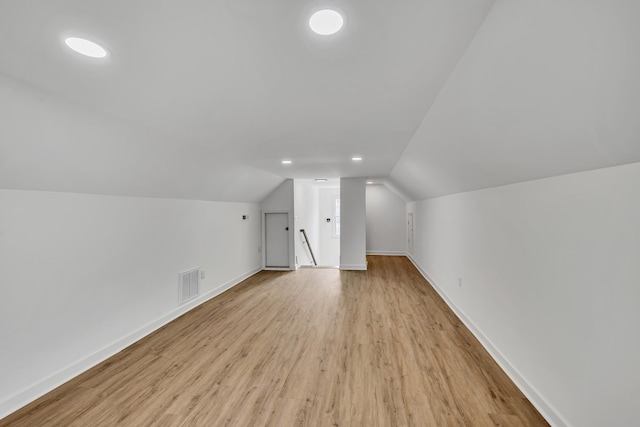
(307, 209)
(281, 200)
(353, 237)
(386, 222)
(550, 283)
(329, 253)
(83, 276)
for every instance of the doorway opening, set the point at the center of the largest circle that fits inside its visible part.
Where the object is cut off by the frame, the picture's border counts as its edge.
(317, 211)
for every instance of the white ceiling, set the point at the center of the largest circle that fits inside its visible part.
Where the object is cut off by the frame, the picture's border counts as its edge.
(201, 99)
(226, 87)
(546, 87)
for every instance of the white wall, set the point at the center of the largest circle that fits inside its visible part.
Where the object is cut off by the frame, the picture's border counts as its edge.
(550, 283)
(307, 211)
(386, 221)
(281, 200)
(353, 234)
(83, 276)
(329, 253)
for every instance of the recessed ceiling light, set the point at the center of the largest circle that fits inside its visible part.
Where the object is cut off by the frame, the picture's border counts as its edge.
(369, 182)
(86, 47)
(326, 22)
(321, 179)
(286, 162)
(356, 159)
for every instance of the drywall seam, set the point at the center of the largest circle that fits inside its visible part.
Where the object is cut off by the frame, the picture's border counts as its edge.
(549, 413)
(33, 392)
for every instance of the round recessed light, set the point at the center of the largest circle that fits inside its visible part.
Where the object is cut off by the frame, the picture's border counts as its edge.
(326, 22)
(86, 47)
(356, 159)
(369, 182)
(286, 162)
(321, 179)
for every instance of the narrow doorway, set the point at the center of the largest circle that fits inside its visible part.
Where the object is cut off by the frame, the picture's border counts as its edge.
(317, 212)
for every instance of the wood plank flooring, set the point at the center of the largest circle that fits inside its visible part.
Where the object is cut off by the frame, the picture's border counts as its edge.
(315, 347)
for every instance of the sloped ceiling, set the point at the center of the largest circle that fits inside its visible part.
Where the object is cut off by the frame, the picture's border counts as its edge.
(546, 87)
(202, 98)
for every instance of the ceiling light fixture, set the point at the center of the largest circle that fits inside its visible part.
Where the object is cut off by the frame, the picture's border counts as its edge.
(369, 182)
(356, 159)
(286, 162)
(86, 47)
(326, 22)
(321, 179)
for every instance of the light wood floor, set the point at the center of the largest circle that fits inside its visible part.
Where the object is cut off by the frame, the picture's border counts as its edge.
(316, 347)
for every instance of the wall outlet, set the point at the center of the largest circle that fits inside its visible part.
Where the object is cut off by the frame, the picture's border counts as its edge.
(460, 282)
(202, 274)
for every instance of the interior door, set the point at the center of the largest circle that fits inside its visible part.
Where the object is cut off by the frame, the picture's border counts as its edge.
(276, 240)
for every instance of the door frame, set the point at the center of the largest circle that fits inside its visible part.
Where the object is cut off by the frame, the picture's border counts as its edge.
(264, 240)
(410, 233)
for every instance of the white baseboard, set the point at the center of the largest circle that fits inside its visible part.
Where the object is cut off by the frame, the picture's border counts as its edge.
(33, 392)
(387, 253)
(552, 416)
(353, 266)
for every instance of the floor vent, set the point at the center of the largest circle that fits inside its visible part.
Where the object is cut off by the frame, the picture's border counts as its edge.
(188, 285)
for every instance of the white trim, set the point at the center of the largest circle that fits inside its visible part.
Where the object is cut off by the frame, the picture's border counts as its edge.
(387, 253)
(353, 266)
(33, 392)
(547, 410)
(277, 269)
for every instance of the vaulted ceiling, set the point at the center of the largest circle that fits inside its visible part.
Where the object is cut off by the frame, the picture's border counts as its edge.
(202, 99)
(545, 88)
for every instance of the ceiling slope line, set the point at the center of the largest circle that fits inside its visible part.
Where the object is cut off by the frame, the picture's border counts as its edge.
(444, 84)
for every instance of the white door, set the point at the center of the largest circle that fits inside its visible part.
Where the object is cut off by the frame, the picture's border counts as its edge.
(410, 232)
(276, 237)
